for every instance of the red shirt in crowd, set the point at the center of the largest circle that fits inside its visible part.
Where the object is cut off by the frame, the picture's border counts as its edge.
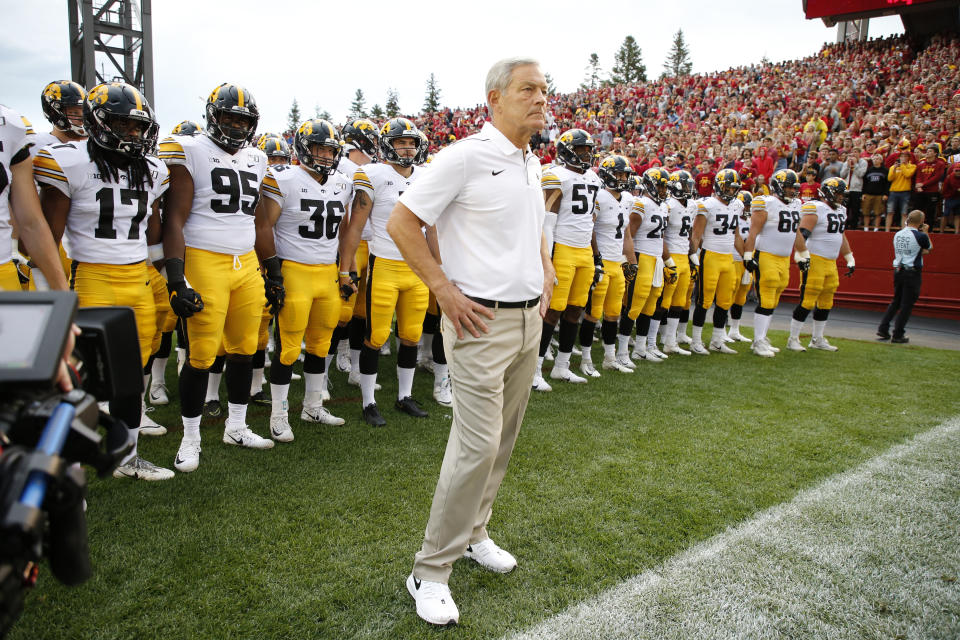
(808, 190)
(705, 183)
(929, 175)
(951, 184)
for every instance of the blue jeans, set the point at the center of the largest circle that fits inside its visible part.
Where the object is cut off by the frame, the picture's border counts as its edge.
(897, 202)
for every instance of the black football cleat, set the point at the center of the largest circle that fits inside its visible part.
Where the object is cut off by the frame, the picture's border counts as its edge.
(900, 340)
(212, 409)
(261, 398)
(371, 415)
(410, 407)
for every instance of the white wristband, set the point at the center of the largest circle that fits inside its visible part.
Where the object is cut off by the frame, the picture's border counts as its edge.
(747, 255)
(849, 259)
(670, 262)
(695, 259)
(801, 255)
(155, 252)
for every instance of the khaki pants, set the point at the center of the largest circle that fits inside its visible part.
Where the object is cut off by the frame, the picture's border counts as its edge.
(491, 378)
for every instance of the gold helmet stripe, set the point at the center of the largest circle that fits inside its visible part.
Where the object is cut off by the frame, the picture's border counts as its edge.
(239, 97)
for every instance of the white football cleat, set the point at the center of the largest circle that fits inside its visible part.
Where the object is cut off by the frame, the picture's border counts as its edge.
(793, 344)
(760, 349)
(698, 348)
(426, 364)
(656, 352)
(343, 356)
(244, 437)
(822, 344)
(683, 338)
(613, 364)
(766, 343)
(587, 369)
(280, 428)
(548, 356)
(354, 379)
(736, 335)
(539, 384)
(434, 602)
(489, 556)
(442, 392)
(625, 361)
(320, 415)
(728, 339)
(564, 373)
(148, 427)
(188, 456)
(158, 394)
(141, 469)
(720, 346)
(385, 349)
(673, 347)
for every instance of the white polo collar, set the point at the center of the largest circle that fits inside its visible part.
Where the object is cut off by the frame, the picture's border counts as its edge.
(503, 143)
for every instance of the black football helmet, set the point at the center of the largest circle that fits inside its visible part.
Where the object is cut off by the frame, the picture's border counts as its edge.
(363, 135)
(633, 183)
(654, 181)
(726, 185)
(567, 144)
(118, 118)
(275, 147)
(784, 180)
(187, 128)
(423, 153)
(60, 94)
(681, 185)
(231, 99)
(615, 172)
(747, 199)
(833, 191)
(317, 131)
(395, 129)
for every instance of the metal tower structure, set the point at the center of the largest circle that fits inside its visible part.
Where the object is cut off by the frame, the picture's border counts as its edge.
(112, 41)
(853, 30)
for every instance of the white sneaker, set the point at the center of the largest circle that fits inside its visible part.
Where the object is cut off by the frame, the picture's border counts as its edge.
(385, 349)
(244, 437)
(656, 352)
(564, 373)
(426, 364)
(142, 470)
(548, 356)
(343, 357)
(442, 393)
(150, 428)
(296, 376)
(625, 361)
(320, 415)
(673, 347)
(280, 428)
(539, 384)
(766, 343)
(104, 406)
(644, 355)
(720, 346)
(587, 369)
(354, 379)
(760, 349)
(698, 348)
(794, 344)
(728, 338)
(489, 556)
(822, 344)
(612, 364)
(325, 392)
(434, 602)
(683, 338)
(158, 394)
(188, 456)
(736, 335)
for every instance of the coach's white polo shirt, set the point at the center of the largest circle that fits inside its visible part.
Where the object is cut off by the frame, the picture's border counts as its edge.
(483, 194)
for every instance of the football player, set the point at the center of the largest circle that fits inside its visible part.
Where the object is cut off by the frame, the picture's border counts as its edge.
(361, 143)
(212, 269)
(391, 284)
(819, 241)
(715, 236)
(773, 231)
(570, 191)
(298, 224)
(644, 247)
(104, 194)
(606, 298)
(276, 150)
(187, 128)
(62, 104)
(681, 209)
(742, 277)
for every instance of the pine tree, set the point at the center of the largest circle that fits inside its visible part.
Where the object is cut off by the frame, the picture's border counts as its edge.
(551, 88)
(678, 60)
(293, 118)
(392, 106)
(592, 79)
(358, 107)
(376, 112)
(321, 114)
(628, 67)
(431, 102)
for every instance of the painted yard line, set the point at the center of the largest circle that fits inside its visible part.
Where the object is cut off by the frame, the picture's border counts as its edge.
(870, 553)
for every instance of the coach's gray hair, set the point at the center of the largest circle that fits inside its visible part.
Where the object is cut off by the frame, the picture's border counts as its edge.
(499, 75)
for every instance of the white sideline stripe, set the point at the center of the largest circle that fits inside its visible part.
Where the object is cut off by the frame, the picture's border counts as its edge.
(873, 552)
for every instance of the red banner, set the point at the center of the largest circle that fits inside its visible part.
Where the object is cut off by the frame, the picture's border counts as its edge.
(825, 8)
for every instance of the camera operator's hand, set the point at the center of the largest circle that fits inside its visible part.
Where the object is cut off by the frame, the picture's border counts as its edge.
(183, 300)
(273, 284)
(64, 380)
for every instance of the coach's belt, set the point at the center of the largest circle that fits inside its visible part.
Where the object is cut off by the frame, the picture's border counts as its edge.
(496, 304)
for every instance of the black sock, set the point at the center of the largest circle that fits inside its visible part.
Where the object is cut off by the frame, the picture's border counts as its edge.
(719, 318)
(439, 355)
(699, 317)
(355, 332)
(586, 333)
(238, 374)
(608, 331)
(369, 359)
(568, 335)
(545, 338)
(193, 390)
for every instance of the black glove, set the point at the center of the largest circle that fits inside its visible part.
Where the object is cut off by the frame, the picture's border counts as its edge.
(629, 271)
(346, 290)
(751, 265)
(670, 274)
(183, 300)
(597, 270)
(273, 284)
(849, 272)
(803, 265)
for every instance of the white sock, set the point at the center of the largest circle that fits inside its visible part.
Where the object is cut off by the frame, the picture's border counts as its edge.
(158, 371)
(367, 383)
(133, 452)
(355, 360)
(313, 388)
(623, 344)
(585, 354)
(652, 334)
(191, 428)
(609, 351)
(256, 381)
(329, 359)
(697, 334)
(213, 386)
(671, 332)
(236, 416)
(278, 396)
(539, 365)
(439, 373)
(761, 324)
(795, 327)
(818, 326)
(404, 382)
(734, 325)
(425, 348)
(563, 360)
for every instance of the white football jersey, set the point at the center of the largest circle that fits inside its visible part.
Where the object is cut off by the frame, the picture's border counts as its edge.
(226, 188)
(383, 185)
(307, 230)
(348, 167)
(679, 225)
(827, 236)
(610, 225)
(16, 136)
(43, 139)
(648, 239)
(579, 195)
(743, 225)
(780, 230)
(107, 221)
(722, 223)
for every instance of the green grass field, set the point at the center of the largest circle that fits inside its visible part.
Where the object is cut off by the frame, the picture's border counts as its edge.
(314, 539)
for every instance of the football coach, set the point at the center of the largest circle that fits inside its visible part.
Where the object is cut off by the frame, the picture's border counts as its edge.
(483, 195)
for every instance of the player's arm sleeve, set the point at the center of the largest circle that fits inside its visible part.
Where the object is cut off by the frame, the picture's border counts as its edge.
(47, 171)
(429, 196)
(162, 180)
(361, 182)
(702, 210)
(171, 151)
(271, 188)
(549, 180)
